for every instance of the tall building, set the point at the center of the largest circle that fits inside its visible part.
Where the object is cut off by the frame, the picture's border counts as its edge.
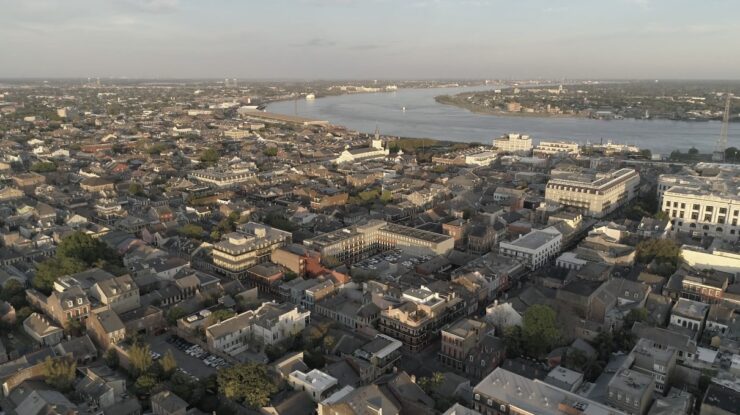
(594, 195)
(513, 143)
(253, 243)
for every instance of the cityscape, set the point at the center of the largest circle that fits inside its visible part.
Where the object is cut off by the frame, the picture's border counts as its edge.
(207, 238)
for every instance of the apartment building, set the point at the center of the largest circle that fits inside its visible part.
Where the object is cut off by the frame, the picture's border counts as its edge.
(120, 293)
(360, 241)
(317, 384)
(224, 176)
(535, 248)
(503, 392)
(550, 148)
(690, 314)
(513, 143)
(252, 244)
(658, 362)
(416, 320)
(377, 357)
(594, 195)
(270, 324)
(630, 391)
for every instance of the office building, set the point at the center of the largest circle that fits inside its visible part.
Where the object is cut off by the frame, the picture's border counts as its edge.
(360, 241)
(513, 143)
(535, 248)
(550, 148)
(594, 195)
(252, 244)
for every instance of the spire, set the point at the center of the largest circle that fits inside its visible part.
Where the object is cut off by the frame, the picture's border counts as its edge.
(377, 132)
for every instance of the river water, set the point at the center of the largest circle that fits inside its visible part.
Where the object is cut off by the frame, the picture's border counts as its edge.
(424, 117)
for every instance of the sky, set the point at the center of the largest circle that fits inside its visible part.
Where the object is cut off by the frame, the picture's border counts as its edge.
(370, 39)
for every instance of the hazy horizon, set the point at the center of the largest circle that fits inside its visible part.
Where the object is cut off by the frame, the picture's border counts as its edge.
(300, 40)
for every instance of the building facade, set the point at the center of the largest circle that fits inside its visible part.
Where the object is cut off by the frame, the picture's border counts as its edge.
(595, 196)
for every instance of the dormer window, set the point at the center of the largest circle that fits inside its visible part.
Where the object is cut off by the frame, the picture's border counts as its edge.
(70, 303)
(79, 301)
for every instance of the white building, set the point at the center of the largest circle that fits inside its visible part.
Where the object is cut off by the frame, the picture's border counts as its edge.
(703, 212)
(483, 158)
(595, 195)
(375, 151)
(549, 148)
(535, 248)
(316, 383)
(513, 143)
(715, 259)
(270, 324)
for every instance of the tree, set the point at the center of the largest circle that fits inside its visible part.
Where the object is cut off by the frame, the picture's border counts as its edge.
(221, 315)
(175, 313)
(270, 151)
(168, 363)
(247, 382)
(74, 328)
(15, 293)
(428, 384)
(111, 358)
(145, 383)
(209, 156)
(693, 151)
(192, 230)
(48, 271)
(662, 254)
(141, 359)
(85, 248)
(59, 373)
(540, 329)
(44, 167)
(135, 189)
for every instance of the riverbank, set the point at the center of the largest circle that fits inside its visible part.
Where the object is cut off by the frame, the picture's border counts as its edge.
(444, 100)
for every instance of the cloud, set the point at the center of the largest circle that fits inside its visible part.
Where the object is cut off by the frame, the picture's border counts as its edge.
(154, 6)
(365, 46)
(316, 42)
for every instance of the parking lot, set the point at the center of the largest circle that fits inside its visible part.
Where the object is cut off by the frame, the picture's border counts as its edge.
(191, 365)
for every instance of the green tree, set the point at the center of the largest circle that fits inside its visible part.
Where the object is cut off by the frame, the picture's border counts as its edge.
(168, 364)
(662, 254)
(111, 358)
(221, 315)
(141, 359)
(48, 271)
(192, 230)
(247, 382)
(74, 328)
(270, 151)
(59, 373)
(85, 248)
(145, 383)
(136, 189)
(428, 384)
(44, 167)
(175, 313)
(540, 329)
(15, 293)
(209, 156)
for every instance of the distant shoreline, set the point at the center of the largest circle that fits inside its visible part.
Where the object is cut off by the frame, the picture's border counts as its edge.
(444, 100)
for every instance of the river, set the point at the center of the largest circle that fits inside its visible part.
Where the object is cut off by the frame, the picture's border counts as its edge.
(425, 118)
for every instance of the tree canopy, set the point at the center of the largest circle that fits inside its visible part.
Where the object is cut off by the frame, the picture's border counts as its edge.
(141, 358)
(59, 373)
(663, 254)
(75, 253)
(248, 382)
